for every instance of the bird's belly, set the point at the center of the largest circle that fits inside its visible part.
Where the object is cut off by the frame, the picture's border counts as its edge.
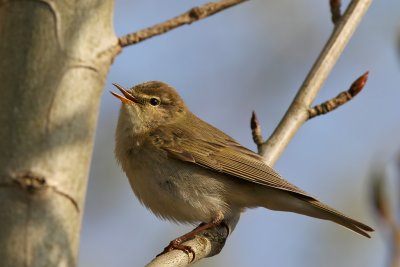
(180, 193)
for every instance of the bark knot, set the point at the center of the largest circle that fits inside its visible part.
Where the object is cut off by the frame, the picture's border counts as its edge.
(31, 182)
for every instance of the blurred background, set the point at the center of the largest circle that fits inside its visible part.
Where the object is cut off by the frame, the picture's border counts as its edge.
(254, 57)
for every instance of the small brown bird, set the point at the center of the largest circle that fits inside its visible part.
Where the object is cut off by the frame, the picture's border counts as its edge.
(185, 170)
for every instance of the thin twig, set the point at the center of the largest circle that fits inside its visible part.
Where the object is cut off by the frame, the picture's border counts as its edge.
(340, 99)
(194, 14)
(335, 10)
(297, 113)
(256, 130)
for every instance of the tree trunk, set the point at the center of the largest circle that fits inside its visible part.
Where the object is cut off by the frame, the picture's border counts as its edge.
(54, 58)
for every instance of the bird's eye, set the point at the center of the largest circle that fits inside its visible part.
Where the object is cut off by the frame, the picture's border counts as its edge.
(154, 101)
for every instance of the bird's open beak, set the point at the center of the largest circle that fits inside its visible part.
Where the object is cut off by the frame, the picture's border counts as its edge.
(127, 97)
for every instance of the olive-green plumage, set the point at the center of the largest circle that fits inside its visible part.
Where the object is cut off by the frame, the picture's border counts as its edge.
(186, 170)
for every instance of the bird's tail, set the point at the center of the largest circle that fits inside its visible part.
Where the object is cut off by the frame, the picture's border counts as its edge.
(307, 205)
(317, 209)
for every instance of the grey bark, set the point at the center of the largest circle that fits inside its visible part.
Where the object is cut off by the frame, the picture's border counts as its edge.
(54, 57)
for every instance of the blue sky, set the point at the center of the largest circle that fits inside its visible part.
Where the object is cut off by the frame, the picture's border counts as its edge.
(254, 57)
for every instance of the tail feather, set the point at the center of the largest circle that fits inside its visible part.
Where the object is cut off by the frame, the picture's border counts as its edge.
(331, 214)
(307, 205)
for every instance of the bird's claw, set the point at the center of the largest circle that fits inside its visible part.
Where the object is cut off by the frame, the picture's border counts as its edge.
(176, 244)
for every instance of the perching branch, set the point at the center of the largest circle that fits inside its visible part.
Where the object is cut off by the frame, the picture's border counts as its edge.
(297, 114)
(194, 14)
(205, 245)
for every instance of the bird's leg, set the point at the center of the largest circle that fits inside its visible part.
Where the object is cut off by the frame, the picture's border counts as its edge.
(177, 242)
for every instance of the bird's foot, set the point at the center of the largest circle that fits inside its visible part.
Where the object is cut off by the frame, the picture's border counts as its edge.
(177, 244)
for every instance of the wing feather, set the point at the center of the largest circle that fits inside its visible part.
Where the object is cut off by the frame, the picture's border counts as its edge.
(208, 147)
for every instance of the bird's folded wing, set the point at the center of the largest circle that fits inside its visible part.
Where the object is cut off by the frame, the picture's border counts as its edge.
(226, 156)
